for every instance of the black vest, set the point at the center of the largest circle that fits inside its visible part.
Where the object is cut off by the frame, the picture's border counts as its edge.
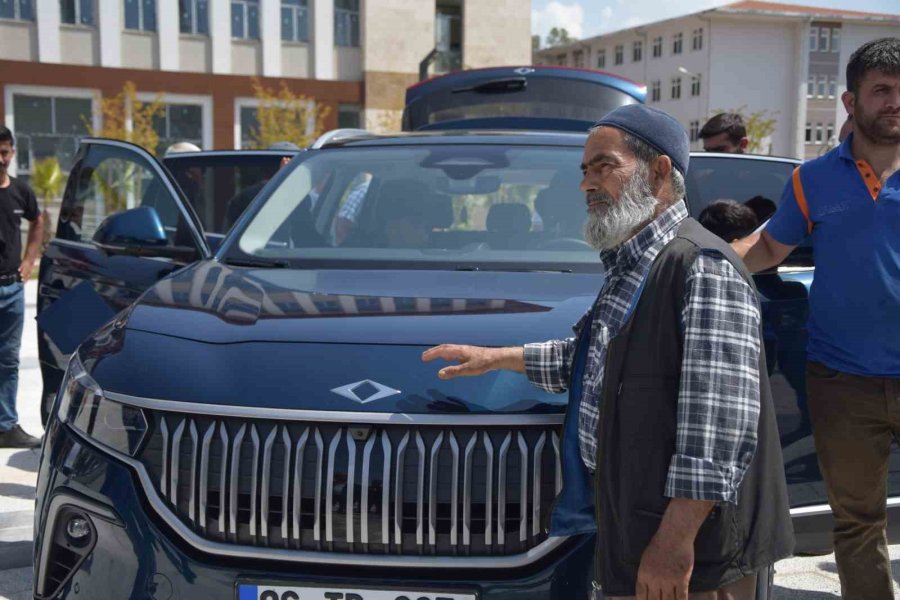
(636, 438)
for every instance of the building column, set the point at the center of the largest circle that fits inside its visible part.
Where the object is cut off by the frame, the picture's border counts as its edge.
(109, 23)
(323, 39)
(270, 34)
(220, 36)
(169, 30)
(48, 19)
(801, 74)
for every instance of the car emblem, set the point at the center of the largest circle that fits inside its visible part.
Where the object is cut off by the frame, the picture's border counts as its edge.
(524, 71)
(365, 391)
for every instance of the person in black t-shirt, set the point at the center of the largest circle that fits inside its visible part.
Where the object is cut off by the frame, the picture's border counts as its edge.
(16, 201)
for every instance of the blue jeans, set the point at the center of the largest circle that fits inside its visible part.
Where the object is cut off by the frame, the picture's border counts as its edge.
(12, 320)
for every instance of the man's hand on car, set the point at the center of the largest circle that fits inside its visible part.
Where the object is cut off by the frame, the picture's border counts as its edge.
(475, 360)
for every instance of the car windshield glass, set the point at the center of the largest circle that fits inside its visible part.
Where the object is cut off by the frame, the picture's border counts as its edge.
(541, 97)
(447, 207)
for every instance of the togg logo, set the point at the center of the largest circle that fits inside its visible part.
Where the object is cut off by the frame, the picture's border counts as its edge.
(365, 391)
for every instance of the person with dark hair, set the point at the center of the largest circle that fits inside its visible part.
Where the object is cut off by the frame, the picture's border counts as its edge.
(725, 132)
(671, 435)
(16, 201)
(728, 219)
(762, 207)
(848, 200)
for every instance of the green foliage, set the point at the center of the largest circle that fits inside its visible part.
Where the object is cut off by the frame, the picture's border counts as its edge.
(47, 179)
(284, 116)
(760, 125)
(559, 36)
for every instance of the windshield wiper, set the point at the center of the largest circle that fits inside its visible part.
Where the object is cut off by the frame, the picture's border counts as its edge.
(260, 263)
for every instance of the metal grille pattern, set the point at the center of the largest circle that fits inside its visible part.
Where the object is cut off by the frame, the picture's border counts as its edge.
(357, 488)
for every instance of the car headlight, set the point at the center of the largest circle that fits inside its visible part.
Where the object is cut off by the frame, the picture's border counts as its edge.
(117, 426)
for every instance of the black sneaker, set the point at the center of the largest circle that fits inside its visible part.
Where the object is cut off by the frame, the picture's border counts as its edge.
(17, 438)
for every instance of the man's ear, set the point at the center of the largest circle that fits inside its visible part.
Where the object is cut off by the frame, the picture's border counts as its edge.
(743, 144)
(849, 100)
(660, 174)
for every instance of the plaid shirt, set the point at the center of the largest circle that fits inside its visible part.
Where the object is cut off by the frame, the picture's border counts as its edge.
(718, 399)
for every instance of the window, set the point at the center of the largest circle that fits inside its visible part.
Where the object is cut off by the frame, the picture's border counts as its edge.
(823, 81)
(578, 58)
(194, 16)
(346, 23)
(448, 37)
(140, 15)
(294, 21)
(676, 88)
(836, 40)
(811, 86)
(657, 47)
(76, 12)
(601, 58)
(832, 87)
(637, 51)
(348, 116)
(49, 126)
(829, 132)
(808, 137)
(695, 86)
(561, 60)
(655, 91)
(818, 133)
(697, 42)
(178, 123)
(249, 126)
(245, 19)
(677, 41)
(18, 10)
(813, 39)
(620, 54)
(824, 36)
(695, 130)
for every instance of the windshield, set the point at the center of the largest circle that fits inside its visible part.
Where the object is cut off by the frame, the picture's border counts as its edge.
(444, 207)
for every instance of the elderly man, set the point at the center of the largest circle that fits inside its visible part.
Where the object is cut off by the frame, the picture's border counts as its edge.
(671, 417)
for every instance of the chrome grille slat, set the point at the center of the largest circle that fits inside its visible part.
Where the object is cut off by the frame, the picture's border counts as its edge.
(501, 489)
(364, 490)
(204, 472)
(322, 486)
(298, 481)
(536, 475)
(266, 479)
(433, 489)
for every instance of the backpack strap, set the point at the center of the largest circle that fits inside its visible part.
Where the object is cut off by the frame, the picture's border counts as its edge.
(801, 199)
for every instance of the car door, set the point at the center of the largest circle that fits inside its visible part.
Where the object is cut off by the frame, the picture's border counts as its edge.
(83, 283)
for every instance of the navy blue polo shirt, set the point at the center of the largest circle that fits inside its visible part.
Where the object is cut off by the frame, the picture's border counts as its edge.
(854, 304)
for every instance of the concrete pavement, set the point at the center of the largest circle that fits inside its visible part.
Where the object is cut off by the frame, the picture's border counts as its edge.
(812, 578)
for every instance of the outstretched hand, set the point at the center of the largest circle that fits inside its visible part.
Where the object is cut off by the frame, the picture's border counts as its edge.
(475, 360)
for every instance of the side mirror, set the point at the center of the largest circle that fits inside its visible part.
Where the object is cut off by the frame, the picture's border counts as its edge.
(138, 232)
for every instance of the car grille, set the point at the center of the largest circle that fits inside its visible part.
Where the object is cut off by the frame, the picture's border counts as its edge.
(460, 490)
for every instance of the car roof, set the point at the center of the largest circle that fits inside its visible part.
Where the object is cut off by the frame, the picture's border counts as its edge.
(214, 153)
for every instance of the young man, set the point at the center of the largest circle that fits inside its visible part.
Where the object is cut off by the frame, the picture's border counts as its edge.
(16, 201)
(725, 132)
(669, 399)
(849, 200)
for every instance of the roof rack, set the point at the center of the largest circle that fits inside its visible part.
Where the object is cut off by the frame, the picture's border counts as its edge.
(335, 135)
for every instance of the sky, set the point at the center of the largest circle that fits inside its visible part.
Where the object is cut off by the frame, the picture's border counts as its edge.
(587, 18)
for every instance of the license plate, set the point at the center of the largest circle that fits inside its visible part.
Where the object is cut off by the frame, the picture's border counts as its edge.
(299, 592)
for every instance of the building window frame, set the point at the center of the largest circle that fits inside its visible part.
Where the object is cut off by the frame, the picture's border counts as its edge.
(822, 86)
(697, 40)
(346, 108)
(809, 133)
(676, 88)
(22, 10)
(695, 86)
(695, 130)
(824, 39)
(601, 58)
(346, 23)
(811, 86)
(677, 43)
(829, 132)
(655, 91)
(206, 107)
(657, 46)
(578, 59)
(813, 39)
(819, 132)
(832, 87)
(295, 21)
(146, 16)
(84, 13)
(249, 22)
(193, 17)
(620, 54)
(836, 40)
(637, 51)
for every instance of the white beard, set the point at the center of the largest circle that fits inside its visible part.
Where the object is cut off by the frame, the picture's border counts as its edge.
(606, 229)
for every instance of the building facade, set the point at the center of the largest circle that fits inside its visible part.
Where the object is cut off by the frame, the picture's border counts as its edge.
(355, 56)
(785, 60)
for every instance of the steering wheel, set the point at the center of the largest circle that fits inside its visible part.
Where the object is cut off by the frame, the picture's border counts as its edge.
(565, 244)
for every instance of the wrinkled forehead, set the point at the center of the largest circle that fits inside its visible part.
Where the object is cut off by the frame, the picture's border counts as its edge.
(606, 141)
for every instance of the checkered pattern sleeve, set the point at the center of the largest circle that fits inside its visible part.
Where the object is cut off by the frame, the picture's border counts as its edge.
(548, 364)
(718, 400)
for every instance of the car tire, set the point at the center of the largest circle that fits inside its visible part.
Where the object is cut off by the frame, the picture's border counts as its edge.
(765, 583)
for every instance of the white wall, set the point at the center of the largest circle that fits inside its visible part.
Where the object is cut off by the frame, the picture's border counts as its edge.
(79, 45)
(753, 65)
(18, 40)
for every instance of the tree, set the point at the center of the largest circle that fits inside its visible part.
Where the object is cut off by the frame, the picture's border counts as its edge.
(760, 125)
(535, 42)
(47, 181)
(126, 118)
(559, 36)
(283, 116)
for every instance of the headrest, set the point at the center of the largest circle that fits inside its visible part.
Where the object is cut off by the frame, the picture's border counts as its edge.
(400, 198)
(509, 217)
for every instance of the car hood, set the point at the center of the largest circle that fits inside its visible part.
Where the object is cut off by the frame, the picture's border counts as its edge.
(215, 303)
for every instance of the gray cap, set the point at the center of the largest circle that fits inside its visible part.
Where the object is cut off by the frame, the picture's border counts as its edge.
(655, 128)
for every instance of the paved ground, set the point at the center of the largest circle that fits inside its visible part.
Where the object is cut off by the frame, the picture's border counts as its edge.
(796, 579)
